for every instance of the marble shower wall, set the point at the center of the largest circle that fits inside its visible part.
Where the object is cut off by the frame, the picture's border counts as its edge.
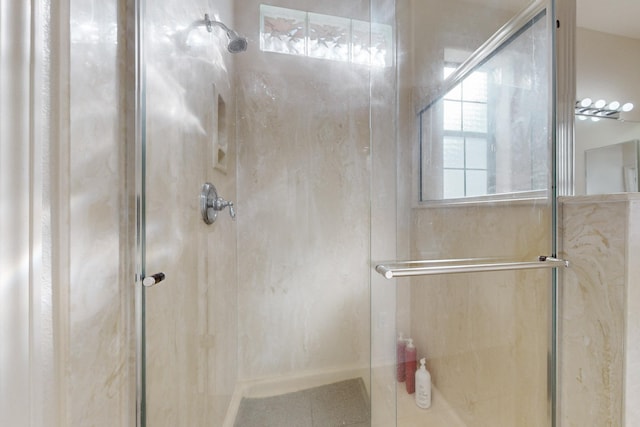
(599, 382)
(484, 334)
(303, 211)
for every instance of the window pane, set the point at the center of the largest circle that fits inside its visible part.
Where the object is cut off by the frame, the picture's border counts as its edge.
(455, 93)
(501, 109)
(474, 87)
(282, 30)
(476, 183)
(476, 153)
(453, 183)
(329, 37)
(448, 71)
(452, 115)
(453, 152)
(475, 117)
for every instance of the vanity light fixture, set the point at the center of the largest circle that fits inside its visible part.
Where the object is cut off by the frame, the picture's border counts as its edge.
(599, 109)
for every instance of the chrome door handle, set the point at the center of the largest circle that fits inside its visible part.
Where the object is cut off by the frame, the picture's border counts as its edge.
(153, 280)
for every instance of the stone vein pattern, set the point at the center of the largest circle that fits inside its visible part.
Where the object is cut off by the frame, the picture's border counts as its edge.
(485, 335)
(304, 192)
(599, 343)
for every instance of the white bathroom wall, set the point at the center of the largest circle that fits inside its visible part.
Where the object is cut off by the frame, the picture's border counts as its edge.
(606, 67)
(27, 356)
(15, 229)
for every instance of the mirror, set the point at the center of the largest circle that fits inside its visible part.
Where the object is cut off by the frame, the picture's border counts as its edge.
(607, 64)
(612, 168)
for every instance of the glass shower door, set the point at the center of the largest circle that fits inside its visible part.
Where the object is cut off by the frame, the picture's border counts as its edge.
(189, 310)
(478, 298)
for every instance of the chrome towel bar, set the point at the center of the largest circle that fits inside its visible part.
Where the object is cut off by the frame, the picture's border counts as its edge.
(468, 265)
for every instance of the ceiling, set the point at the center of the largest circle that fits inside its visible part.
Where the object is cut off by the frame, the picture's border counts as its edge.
(619, 17)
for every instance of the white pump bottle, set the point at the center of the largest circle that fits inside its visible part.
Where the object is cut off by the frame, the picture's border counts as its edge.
(423, 386)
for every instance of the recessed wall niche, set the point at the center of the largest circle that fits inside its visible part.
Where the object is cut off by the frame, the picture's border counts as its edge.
(219, 133)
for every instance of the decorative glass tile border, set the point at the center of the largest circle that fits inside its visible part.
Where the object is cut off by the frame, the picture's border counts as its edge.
(283, 30)
(297, 32)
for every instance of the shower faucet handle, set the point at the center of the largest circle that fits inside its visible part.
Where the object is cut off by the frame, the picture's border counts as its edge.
(221, 203)
(211, 204)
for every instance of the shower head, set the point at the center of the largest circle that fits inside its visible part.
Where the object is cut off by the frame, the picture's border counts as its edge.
(236, 44)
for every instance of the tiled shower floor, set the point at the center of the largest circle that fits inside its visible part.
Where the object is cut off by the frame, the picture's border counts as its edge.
(345, 403)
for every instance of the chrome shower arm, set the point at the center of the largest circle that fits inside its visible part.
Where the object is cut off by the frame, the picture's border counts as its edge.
(209, 23)
(236, 44)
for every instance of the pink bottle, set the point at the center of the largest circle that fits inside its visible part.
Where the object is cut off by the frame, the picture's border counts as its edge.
(410, 366)
(400, 349)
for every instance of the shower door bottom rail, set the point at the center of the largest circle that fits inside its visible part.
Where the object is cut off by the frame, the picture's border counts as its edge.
(467, 265)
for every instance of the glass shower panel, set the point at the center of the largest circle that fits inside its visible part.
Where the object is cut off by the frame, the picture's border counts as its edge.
(190, 317)
(477, 212)
(487, 136)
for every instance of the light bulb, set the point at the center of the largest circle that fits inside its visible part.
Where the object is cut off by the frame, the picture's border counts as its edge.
(627, 107)
(600, 103)
(581, 117)
(614, 105)
(585, 102)
(595, 119)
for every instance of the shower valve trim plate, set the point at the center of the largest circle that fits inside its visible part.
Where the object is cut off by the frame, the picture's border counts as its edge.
(211, 204)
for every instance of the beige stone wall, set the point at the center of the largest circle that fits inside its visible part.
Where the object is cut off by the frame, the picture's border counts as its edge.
(485, 335)
(599, 339)
(304, 203)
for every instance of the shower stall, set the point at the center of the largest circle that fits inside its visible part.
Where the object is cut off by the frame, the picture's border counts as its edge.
(252, 201)
(346, 135)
